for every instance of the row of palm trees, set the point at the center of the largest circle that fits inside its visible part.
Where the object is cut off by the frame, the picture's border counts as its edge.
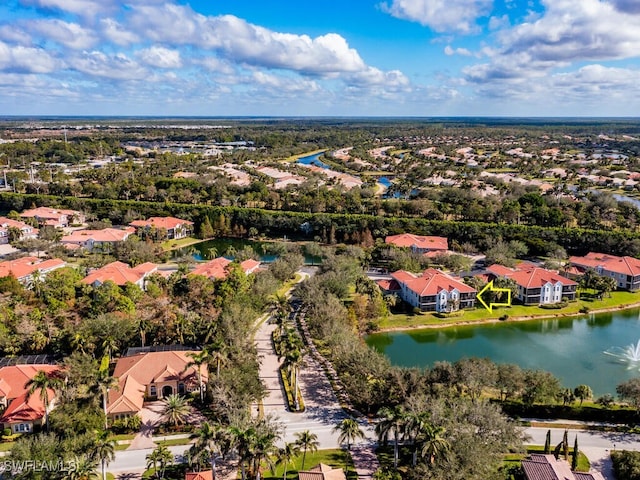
(412, 428)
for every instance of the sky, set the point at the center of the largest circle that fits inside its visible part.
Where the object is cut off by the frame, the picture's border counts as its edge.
(320, 57)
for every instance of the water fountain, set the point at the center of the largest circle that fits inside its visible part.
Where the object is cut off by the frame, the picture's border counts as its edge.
(629, 354)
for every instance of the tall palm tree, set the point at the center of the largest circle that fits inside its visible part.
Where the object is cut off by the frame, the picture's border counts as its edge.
(104, 382)
(243, 439)
(44, 382)
(292, 362)
(175, 409)
(264, 445)
(218, 356)
(159, 459)
(208, 442)
(349, 430)
(308, 442)
(392, 422)
(415, 424)
(198, 360)
(104, 451)
(286, 455)
(433, 443)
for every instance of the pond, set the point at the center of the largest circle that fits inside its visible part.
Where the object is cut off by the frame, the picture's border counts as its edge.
(267, 251)
(573, 349)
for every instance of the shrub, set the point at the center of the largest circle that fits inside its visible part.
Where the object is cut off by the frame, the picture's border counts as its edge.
(6, 432)
(584, 310)
(503, 317)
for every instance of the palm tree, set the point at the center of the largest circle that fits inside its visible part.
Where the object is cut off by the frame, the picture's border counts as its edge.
(243, 439)
(415, 425)
(84, 468)
(349, 430)
(159, 459)
(308, 442)
(198, 360)
(262, 449)
(44, 382)
(104, 451)
(175, 409)
(286, 455)
(392, 422)
(218, 357)
(105, 382)
(292, 362)
(433, 444)
(208, 439)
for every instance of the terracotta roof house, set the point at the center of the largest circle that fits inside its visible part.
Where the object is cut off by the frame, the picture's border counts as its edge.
(218, 268)
(322, 472)
(419, 243)
(24, 268)
(546, 467)
(20, 413)
(96, 240)
(54, 216)
(537, 286)
(206, 475)
(434, 290)
(625, 270)
(120, 273)
(151, 374)
(175, 227)
(26, 231)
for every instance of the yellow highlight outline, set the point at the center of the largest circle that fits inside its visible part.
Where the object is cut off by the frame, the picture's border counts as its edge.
(489, 286)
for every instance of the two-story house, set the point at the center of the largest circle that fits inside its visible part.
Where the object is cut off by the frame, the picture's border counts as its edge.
(625, 270)
(433, 290)
(175, 228)
(120, 273)
(537, 286)
(55, 217)
(418, 243)
(26, 230)
(96, 240)
(25, 269)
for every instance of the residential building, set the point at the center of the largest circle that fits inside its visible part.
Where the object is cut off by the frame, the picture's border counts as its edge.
(322, 472)
(25, 268)
(204, 475)
(434, 290)
(547, 467)
(96, 240)
(54, 216)
(26, 230)
(418, 243)
(152, 375)
(120, 273)
(22, 411)
(537, 286)
(625, 270)
(218, 268)
(175, 228)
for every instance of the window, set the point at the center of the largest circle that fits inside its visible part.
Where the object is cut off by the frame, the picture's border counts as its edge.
(153, 391)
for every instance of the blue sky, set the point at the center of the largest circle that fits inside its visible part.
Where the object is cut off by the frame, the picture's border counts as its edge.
(322, 58)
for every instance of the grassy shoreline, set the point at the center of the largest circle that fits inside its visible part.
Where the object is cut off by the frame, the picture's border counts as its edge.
(619, 301)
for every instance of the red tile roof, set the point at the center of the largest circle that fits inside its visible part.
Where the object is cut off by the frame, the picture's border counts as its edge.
(612, 263)
(104, 235)
(12, 384)
(388, 285)
(120, 273)
(431, 282)
(418, 241)
(218, 267)
(538, 277)
(168, 223)
(136, 372)
(26, 266)
(206, 475)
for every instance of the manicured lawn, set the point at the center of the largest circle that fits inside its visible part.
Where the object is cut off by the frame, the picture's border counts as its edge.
(334, 458)
(288, 284)
(408, 320)
(176, 244)
(174, 441)
(6, 446)
(123, 436)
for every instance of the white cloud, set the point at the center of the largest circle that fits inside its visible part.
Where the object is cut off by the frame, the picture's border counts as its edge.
(17, 58)
(449, 51)
(243, 42)
(99, 64)
(441, 15)
(68, 34)
(160, 57)
(116, 33)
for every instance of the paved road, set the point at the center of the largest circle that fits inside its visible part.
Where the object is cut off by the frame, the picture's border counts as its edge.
(595, 445)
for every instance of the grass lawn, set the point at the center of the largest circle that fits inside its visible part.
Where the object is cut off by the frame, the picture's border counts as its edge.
(123, 446)
(408, 320)
(334, 458)
(176, 244)
(6, 446)
(174, 441)
(123, 436)
(288, 284)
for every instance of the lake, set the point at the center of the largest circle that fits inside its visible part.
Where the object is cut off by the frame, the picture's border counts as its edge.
(571, 348)
(313, 160)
